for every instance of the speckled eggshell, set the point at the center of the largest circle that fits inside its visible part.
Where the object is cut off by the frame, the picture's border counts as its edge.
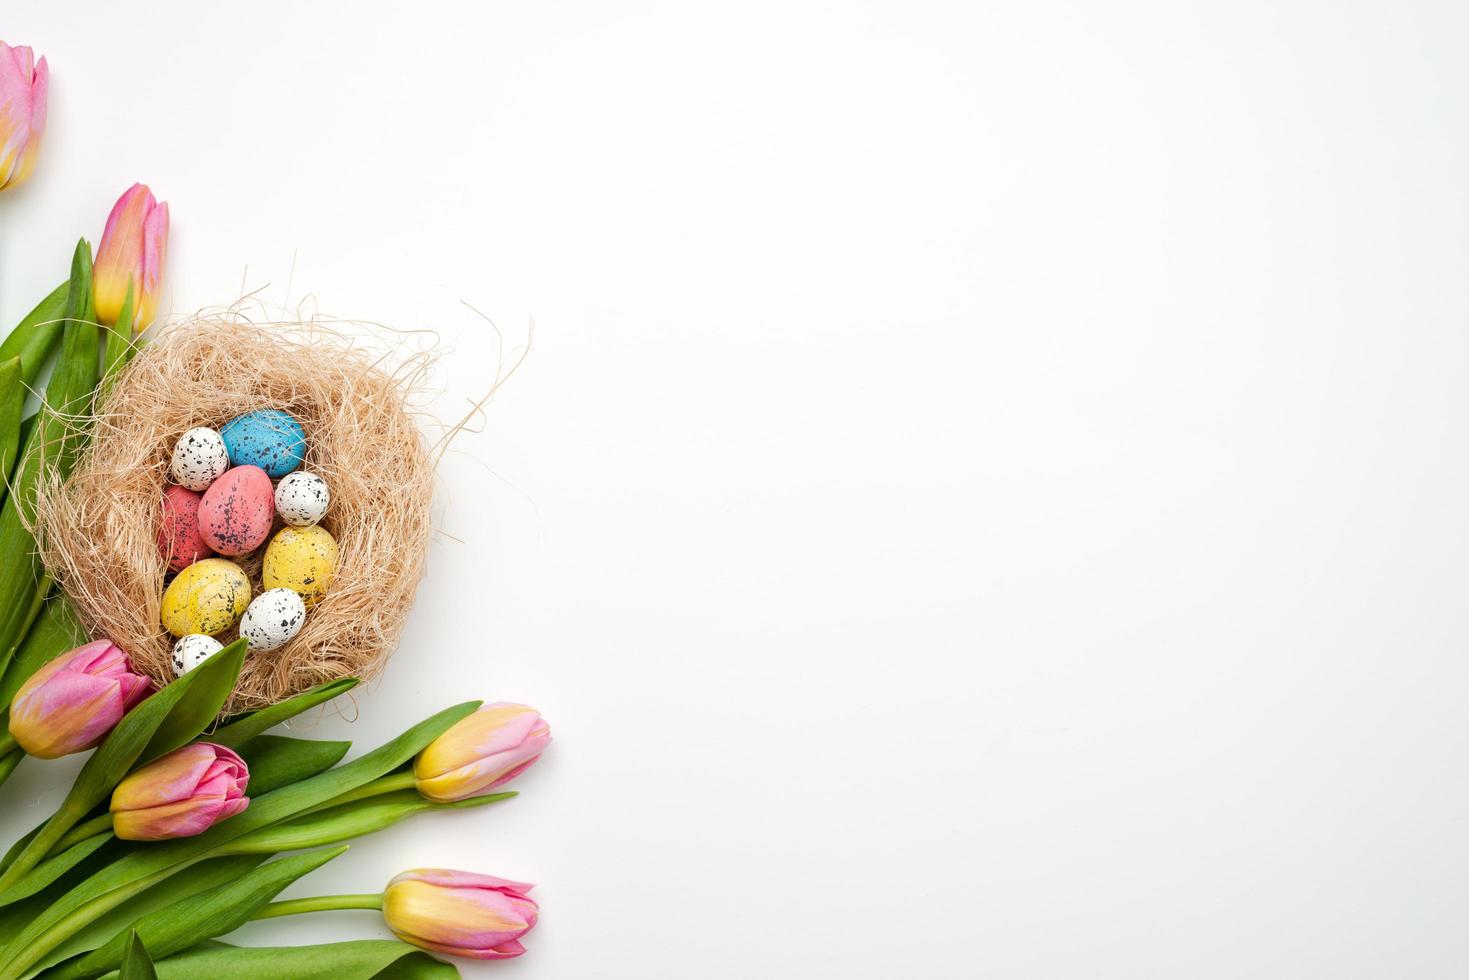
(199, 458)
(236, 511)
(302, 498)
(208, 597)
(179, 540)
(274, 617)
(269, 438)
(192, 650)
(303, 559)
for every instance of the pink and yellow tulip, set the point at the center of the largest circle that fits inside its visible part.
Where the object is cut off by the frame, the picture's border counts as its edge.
(134, 245)
(459, 913)
(482, 752)
(23, 83)
(181, 794)
(71, 703)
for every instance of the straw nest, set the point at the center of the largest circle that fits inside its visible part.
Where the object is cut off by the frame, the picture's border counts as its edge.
(98, 529)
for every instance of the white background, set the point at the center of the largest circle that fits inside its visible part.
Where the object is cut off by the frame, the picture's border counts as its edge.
(988, 495)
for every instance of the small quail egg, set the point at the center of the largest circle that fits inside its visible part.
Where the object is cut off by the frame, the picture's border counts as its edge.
(192, 650)
(199, 459)
(274, 617)
(302, 498)
(303, 559)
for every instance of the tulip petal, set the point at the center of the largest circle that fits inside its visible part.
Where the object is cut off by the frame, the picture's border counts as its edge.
(167, 780)
(233, 806)
(72, 702)
(450, 878)
(464, 918)
(504, 951)
(69, 713)
(134, 688)
(40, 84)
(482, 775)
(184, 818)
(155, 250)
(98, 657)
(15, 108)
(43, 674)
(181, 794)
(493, 728)
(120, 253)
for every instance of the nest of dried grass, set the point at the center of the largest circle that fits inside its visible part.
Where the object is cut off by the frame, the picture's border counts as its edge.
(97, 530)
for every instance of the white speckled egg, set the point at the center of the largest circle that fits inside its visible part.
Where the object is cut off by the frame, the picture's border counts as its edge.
(274, 617)
(192, 650)
(199, 459)
(301, 498)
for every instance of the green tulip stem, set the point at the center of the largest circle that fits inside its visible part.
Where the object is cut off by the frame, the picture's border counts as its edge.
(325, 903)
(87, 828)
(9, 762)
(7, 742)
(390, 783)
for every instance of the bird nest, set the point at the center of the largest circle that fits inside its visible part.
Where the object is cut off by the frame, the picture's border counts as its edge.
(98, 529)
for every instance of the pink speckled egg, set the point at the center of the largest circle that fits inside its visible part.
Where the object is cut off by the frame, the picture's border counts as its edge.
(236, 511)
(179, 539)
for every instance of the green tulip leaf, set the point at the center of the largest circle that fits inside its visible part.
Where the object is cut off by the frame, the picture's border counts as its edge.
(240, 730)
(118, 338)
(202, 877)
(8, 762)
(50, 447)
(277, 761)
(36, 334)
(49, 870)
(355, 819)
(200, 703)
(359, 960)
(150, 724)
(141, 868)
(15, 916)
(12, 400)
(20, 845)
(136, 963)
(189, 921)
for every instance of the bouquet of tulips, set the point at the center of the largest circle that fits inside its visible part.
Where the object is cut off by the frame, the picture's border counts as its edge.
(180, 827)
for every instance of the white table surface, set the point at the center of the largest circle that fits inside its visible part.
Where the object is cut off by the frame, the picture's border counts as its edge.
(988, 496)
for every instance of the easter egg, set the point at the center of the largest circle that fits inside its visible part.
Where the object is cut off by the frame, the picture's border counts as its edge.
(236, 511)
(301, 498)
(269, 438)
(192, 650)
(207, 597)
(199, 458)
(274, 617)
(303, 559)
(179, 540)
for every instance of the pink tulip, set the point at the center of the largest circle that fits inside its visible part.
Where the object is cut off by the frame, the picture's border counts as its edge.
(71, 703)
(459, 913)
(132, 252)
(23, 82)
(481, 752)
(181, 794)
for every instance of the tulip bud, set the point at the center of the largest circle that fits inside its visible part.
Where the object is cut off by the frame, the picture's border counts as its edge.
(71, 703)
(23, 83)
(481, 752)
(131, 253)
(181, 794)
(459, 913)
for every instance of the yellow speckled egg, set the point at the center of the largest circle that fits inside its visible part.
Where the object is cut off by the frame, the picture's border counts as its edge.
(303, 559)
(208, 597)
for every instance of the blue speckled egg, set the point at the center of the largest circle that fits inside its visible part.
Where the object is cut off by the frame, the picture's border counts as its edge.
(269, 438)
